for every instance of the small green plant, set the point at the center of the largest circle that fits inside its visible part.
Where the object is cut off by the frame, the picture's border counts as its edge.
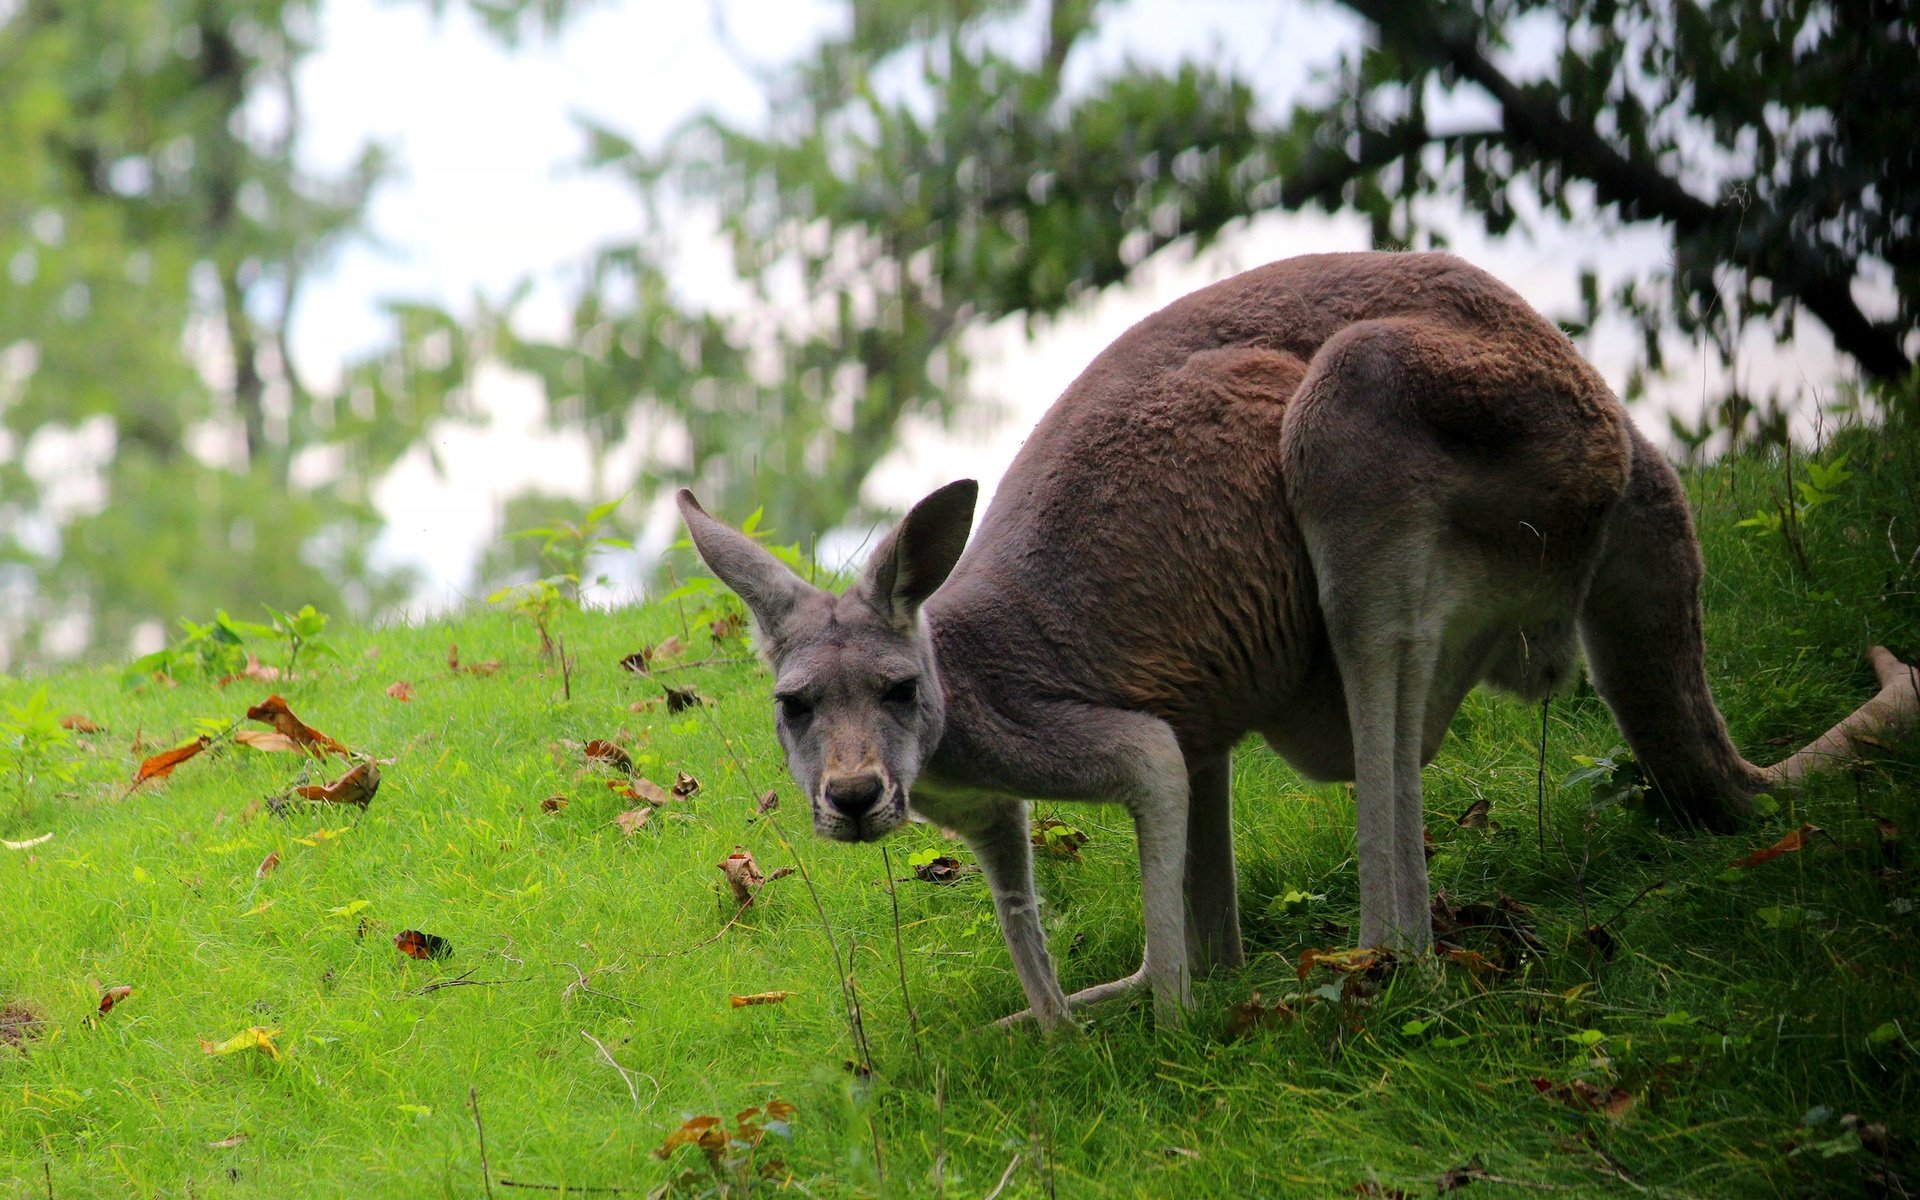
(301, 631)
(538, 602)
(1613, 779)
(569, 547)
(1818, 486)
(33, 744)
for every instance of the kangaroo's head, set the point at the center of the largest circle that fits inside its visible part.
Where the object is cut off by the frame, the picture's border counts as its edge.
(856, 692)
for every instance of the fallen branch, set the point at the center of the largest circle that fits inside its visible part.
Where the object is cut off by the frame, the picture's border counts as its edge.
(562, 1187)
(460, 980)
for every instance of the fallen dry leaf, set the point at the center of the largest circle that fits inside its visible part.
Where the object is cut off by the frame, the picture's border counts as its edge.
(265, 739)
(114, 995)
(1476, 963)
(1057, 839)
(18, 1023)
(1608, 1102)
(728, 626)
(255, 669)
(1254, 1013)
(161, 765)
(684, 785)
(356, 787)
(705, 1132)
(633, 819)
(415, 944)
(228, 1143)
(274, 711)
(680, 699)
(667, 649)
(602, 751)
(79, 723)
(553, 804)
(254, 1038)
(268, 865)
(29, 844)
(769, 801)
(757, 998)
(1476, 815)
(400, 689)
(637, 661)
(1362, 958)
(1797, 840)
(489, 667)
(743, 875)
(945, 869)
(1458, 1177)
(1367, 1187)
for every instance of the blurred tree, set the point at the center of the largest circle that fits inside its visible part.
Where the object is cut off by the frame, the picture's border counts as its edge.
(929, 169)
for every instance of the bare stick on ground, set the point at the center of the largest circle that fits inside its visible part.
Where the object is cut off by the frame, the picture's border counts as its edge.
(486, 1172)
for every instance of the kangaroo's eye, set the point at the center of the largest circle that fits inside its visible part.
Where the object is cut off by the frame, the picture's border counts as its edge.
(794, 708)
(904, 692)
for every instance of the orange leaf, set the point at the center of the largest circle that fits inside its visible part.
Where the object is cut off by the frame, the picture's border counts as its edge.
(400, 689)
(415, 944)
(268, 865)
(757, 998)
(356, 787)
(274, 711)
(480, 668)
(113, 996)
(161, 765)
(263, 739)
(1360, 959)
(553, 804)
(601, 750)
(79, 723)
(1797, 840)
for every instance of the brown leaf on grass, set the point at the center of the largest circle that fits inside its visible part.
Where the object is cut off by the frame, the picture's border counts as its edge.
(228, 1143)
(489, 667)
(80, 723)
(1254, 1013)
(744, 876)
(356, 787)
(268, 865)
(684, 785)
(114, 995)
(400, 690)
(727, 626)
(1476, 815)
(266, 740)
(161, 765)
(769, 801)
(255, 670)
(757, 998)
(1797, 840)
(633, 819)
(1057, 839)
(705, 1132)
(254, 1038)
(274, 711)
(640, 788)
(553, 804)
(415, 944)
(945, 869)
(681, 699)
(637, 662)
(602, 751)
(1362, 958)
(1469, 959)
(1608, 1102)
(18, 1023)
(667, 649)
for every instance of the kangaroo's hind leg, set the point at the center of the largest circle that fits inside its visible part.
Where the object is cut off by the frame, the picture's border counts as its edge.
(1213, 901)
(1439, 471)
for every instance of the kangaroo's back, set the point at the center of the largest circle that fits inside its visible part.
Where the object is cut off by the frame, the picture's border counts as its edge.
(1145, 547)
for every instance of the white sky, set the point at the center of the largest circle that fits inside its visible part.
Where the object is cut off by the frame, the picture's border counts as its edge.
(488, 194)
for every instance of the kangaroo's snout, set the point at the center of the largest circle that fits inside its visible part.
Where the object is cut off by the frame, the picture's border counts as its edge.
(855, 795)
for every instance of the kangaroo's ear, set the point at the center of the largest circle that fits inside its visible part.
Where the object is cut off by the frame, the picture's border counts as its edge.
(915, 558)
(763, 581)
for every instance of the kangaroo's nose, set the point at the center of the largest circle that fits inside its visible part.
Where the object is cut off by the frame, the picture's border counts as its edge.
(855, 794)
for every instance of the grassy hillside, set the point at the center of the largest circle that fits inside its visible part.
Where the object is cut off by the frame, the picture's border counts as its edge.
(1731, 1031)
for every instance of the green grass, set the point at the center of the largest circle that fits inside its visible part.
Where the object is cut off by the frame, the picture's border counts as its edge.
(1736, 1002)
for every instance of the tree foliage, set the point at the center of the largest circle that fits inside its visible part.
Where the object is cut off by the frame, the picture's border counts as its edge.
(932, 168)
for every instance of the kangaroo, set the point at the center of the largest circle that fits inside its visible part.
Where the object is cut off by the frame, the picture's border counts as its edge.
(1318, 501)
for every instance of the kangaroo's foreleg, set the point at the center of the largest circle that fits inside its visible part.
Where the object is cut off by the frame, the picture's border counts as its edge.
(998, 834)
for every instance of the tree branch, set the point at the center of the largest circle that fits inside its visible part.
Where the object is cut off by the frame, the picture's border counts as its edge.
(1533, 121)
